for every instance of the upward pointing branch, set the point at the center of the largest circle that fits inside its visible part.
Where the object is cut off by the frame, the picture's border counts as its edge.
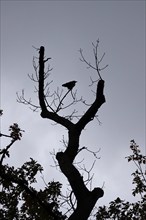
(91, 112)
(41, 79)
(45, 113)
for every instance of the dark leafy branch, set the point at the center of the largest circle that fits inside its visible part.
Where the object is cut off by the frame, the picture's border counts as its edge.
(12, 178)
(15, 183)
(15, 134)
(121, 209)
(139, 176)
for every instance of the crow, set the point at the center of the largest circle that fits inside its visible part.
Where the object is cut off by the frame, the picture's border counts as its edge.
(69, 85)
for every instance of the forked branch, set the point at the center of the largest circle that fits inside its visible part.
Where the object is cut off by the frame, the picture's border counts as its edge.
(96, 66)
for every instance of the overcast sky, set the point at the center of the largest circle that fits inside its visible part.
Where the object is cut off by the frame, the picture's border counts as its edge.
(64, 27)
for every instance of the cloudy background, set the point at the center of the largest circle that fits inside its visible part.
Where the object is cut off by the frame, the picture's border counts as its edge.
(64, 27)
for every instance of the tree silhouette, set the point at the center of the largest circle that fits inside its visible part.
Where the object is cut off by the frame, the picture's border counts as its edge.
(86, 199)
(19, 200)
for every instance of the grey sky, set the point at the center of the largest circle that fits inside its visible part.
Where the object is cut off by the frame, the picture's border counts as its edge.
(64, 27)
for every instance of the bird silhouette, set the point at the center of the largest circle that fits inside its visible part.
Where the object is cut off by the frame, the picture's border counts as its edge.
(69, 85)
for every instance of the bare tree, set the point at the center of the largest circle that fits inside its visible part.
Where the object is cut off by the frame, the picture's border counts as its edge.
(85, 198)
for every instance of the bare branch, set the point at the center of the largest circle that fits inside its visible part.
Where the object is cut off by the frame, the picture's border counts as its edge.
(97, 60)
(90, 151)
(21, 99)
(89, 65)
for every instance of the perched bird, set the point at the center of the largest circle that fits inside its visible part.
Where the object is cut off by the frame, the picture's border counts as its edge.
(70, 84)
